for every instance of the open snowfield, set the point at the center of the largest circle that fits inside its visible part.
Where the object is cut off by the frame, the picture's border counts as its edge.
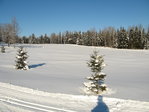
(60, 71)
(20, 99)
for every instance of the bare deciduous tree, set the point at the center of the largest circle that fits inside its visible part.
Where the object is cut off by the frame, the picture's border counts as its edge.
(9, 32)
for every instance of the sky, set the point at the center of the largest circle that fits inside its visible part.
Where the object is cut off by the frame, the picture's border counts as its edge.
(54, 16)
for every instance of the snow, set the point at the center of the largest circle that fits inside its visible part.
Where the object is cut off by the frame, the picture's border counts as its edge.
(16, 98)
(57, 74)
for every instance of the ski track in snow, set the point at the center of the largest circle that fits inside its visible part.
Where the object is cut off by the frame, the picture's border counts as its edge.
(20, 97)
(29, 105)
(22, 103)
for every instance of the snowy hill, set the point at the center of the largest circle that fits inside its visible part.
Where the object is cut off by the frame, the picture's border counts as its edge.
(61, 69)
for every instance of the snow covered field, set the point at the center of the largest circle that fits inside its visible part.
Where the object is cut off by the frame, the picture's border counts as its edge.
(20, 99)
(60, 70)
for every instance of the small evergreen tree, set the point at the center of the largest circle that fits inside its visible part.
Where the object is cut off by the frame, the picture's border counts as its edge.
(96, 84)
(21, 59)
(2, 49)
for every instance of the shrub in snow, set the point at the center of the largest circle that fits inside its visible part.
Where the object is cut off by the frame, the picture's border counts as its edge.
(96, 84)
(21, 59)
(2, 49)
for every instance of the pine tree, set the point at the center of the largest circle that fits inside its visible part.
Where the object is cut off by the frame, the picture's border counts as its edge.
(122, 39)
(146, 45)
(21, 59)
(2, 49)
(137, 40)
(96, 84)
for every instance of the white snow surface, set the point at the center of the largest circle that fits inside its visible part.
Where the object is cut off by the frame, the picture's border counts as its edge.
(60, 71)
(20, 99)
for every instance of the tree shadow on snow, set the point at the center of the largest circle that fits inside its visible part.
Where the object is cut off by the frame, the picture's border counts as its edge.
(101, 106)
(36, 65)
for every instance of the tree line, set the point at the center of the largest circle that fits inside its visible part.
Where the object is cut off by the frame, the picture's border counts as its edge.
(132, 38)
(135, 37)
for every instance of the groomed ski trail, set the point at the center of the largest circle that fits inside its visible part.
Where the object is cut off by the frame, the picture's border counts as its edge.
(34, 106)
